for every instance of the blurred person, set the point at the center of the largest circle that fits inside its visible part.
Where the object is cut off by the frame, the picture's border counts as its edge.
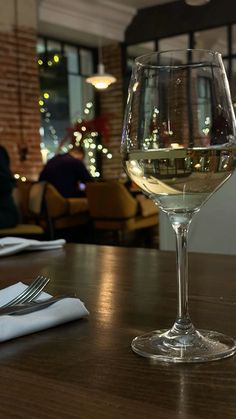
(67, 173)
(9, 215)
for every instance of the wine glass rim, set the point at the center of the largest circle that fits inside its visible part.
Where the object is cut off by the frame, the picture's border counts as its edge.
(141, 59)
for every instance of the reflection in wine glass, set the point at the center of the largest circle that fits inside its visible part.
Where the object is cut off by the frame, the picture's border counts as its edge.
(178, 146)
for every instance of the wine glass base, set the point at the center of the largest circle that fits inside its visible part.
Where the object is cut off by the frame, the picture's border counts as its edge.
(200, 346)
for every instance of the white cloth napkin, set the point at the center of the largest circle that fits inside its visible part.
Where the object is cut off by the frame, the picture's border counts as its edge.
(63, 311)
(12, 245)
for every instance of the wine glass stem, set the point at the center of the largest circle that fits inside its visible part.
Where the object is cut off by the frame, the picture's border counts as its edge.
(183, 324)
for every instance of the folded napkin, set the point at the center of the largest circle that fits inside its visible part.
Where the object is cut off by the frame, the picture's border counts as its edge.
(63, 311)
(11, 245)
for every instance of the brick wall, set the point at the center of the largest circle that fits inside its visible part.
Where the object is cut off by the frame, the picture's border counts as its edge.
(19, 94)
(19, 112)
(111, 101)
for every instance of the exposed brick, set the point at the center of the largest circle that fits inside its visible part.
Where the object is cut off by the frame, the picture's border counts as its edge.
(19, 93)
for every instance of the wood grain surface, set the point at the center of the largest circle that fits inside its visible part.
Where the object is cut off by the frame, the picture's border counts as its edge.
(86, 369)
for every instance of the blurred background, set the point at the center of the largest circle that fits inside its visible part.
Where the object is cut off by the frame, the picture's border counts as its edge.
(50, 50)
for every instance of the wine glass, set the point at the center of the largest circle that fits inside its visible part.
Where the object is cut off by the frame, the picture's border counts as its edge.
(178, 146)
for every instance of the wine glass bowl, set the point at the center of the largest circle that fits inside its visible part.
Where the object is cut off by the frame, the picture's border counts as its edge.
(178, 146)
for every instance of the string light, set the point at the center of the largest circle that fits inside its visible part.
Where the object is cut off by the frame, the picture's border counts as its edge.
(18, 177)
(45, 152)
(56, 58)
(89, 139)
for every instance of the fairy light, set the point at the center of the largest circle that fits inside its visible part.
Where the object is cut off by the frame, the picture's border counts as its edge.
(89, 139)
(56, 58)
(17, 176)
(45, 152)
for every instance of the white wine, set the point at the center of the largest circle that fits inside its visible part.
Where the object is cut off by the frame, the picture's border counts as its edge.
(180, 180)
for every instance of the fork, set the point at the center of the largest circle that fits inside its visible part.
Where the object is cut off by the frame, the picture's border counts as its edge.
(30, 293)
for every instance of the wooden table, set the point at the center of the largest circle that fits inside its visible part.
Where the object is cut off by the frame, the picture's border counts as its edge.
(86, 369)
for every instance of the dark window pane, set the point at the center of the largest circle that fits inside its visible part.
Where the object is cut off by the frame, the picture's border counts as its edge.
(54, 104)
(136, 50)
(212, 39)
(86, 65)
(80, 94)
(53, 46)
(71, 54)
(53, 53)
(40, 46)
(173, 42)
(64, 94)
(204, 100)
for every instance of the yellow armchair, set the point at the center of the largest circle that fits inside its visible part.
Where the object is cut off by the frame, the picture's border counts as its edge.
(112, 207)
(63, 213)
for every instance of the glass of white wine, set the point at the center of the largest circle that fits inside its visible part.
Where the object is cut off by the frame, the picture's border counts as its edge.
(178, 146)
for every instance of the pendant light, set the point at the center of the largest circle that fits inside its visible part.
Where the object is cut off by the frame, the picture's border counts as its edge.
(101, 80)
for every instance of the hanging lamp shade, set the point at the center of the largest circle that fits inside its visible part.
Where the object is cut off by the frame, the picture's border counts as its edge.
(101, 80)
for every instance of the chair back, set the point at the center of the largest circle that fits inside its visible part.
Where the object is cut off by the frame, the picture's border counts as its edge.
(110, 200)
(36, 196)
(29, 213)
(56, 204)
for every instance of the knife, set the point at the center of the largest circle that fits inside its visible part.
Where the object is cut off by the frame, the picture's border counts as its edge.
(31, 307)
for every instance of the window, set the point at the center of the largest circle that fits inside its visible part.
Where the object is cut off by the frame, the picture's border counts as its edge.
(174, 42)
(212, 39)
(221, 39)
(64, 92)
(204, 105)
(134, 51)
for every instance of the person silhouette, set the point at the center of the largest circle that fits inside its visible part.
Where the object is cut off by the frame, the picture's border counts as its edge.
(67, 173)
(9, 215)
